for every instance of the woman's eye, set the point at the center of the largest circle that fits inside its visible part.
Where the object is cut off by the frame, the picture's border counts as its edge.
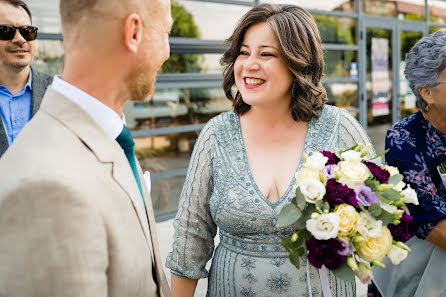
(267, 55)
(243, 53)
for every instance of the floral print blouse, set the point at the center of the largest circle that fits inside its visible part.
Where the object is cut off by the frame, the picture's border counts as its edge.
(417, 148)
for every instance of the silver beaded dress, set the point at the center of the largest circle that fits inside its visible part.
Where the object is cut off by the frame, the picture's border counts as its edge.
(220, 192)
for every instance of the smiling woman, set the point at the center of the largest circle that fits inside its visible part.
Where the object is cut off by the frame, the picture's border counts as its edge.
(243, 166)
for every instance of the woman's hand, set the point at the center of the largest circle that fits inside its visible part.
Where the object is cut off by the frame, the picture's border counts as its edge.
(438, 236)
(182, 286)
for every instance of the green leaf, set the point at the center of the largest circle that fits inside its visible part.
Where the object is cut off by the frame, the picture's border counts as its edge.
(378, 156)
(395, 179)
(300, 199)
(345, 273)
(385, 217)
(320, 204)
(326, 206)
(287, 243)
(293, 201)
(406, 209)
(294, 258)
(391, 195)
(375, 210)
(372, 184)
(288, 215)
(302, 222)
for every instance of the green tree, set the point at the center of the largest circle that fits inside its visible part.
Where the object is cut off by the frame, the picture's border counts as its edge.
(184, 26)
(332, 31)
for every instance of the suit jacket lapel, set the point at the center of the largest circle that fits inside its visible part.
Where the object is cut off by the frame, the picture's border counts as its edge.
(106, 149)
(3, 139)
(40, 83)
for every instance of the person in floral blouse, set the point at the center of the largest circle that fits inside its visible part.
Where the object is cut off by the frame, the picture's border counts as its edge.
(417, 146)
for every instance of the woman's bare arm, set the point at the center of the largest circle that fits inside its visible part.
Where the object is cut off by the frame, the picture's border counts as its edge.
(182, 286)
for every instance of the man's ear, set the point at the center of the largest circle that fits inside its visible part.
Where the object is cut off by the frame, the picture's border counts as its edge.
(133, 32)
(426, 93)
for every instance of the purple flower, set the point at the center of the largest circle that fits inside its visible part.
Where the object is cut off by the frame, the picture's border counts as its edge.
(348, 248)
(365, 195)
(332, 158)
(400, 232)
(328, 170)
(337, 193)
(325, 252)
(380, 174)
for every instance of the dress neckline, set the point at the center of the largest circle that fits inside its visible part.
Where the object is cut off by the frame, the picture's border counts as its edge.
(248, 169)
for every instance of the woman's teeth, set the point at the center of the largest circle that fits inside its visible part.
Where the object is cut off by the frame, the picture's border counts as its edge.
(254, 81)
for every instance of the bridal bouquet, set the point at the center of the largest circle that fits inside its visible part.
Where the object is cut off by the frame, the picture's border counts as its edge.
(349, 213)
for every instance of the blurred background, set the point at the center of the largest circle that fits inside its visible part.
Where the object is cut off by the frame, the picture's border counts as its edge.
(365, 44)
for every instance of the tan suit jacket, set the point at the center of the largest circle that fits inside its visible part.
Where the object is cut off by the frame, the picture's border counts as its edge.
(72, 221)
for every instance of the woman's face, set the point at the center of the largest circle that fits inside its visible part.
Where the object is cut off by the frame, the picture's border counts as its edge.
(436, 98)
(261, 75)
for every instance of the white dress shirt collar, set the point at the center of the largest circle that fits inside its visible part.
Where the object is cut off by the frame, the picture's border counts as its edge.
(106, 117)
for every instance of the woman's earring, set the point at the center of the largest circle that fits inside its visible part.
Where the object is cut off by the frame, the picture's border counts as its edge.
(426, 109)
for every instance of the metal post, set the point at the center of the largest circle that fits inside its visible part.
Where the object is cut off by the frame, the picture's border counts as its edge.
(396, 53)
(362, 66)
(426, 17)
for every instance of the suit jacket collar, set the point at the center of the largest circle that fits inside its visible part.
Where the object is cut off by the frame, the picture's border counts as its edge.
(40, 82)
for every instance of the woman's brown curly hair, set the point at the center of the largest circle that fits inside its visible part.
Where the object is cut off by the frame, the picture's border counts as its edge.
(300, 47)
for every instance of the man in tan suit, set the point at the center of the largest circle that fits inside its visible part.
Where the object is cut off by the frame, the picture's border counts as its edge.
(75, 215)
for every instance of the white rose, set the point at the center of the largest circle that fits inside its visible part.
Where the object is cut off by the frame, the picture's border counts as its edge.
(312, 190)
(351, 173)
(410, 196)
(324, 227)
(396, 254)
(351, 155)
(389, 208)
(316, 161)
(368, 226)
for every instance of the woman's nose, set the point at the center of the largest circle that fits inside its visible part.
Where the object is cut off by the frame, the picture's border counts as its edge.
(252, 63)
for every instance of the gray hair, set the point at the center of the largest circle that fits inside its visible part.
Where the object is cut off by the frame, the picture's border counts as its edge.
(424, 62)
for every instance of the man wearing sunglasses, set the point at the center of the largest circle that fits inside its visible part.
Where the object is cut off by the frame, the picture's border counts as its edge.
(21, 88)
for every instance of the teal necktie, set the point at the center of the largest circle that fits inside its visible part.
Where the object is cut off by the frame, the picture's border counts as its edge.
(125, 140)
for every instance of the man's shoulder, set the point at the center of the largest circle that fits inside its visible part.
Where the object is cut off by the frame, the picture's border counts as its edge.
(41, 78)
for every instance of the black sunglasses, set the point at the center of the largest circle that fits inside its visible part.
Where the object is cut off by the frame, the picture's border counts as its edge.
(7, 32)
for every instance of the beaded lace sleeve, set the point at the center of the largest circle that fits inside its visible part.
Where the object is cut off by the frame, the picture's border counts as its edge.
(194, 227)
(351, 133)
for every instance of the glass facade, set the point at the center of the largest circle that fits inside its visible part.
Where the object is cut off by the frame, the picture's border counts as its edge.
(359, 37)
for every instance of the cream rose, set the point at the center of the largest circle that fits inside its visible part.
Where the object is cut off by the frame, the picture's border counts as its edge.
(375, 249)
(316, 161)
(410, 196)
(351, 173)
(397, 254)
(392, 170)
(348, 220)
(313, 190)
(307, 173)
(368, 226)
(324, 227)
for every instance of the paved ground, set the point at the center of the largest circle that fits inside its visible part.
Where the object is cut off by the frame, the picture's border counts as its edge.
(165, 229)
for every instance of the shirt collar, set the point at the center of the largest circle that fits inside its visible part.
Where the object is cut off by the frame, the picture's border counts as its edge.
(106, 117)
(28, 86)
